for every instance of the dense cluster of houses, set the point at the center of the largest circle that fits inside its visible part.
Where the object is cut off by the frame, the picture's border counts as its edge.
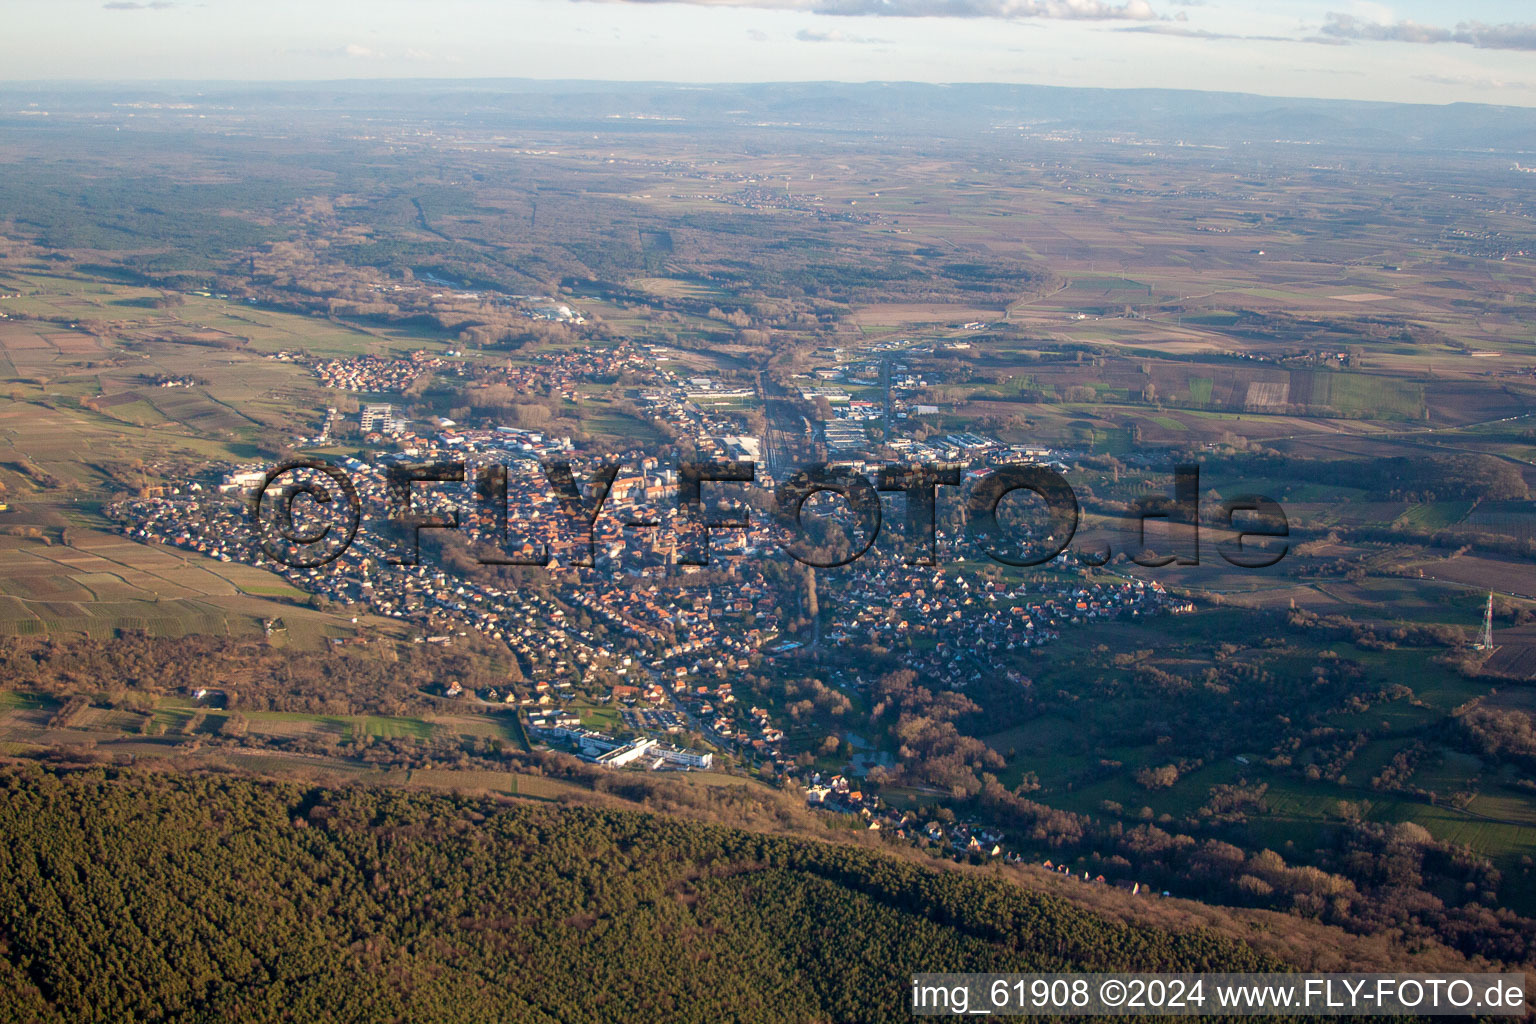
(530, 623)
(959, 633)
(375, 373)
(664, 638)
(631, 625)
(651, 633)
(563, 373)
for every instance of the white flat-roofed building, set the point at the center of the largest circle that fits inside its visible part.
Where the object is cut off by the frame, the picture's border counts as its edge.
(620, 756)
(686, 758)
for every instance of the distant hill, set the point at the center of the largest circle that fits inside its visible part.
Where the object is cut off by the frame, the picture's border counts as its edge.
(911, 110)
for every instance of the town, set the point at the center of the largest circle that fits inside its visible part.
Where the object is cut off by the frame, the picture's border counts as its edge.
(626, 657)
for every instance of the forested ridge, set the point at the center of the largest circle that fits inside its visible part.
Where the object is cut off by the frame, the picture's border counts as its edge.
(136, 895)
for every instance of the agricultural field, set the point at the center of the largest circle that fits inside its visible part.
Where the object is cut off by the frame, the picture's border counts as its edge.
(81, 581)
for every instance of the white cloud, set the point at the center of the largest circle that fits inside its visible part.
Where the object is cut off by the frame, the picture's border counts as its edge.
(1474, 33)
(1067, 10)
(1177, 28)
(1480, 82)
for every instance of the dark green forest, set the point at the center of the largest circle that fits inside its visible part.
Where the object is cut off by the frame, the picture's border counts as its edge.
(128, 895)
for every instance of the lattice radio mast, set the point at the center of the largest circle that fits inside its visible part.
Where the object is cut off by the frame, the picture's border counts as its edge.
(1486, 643)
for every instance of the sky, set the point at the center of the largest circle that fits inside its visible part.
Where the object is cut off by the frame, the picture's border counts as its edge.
(1481, 51)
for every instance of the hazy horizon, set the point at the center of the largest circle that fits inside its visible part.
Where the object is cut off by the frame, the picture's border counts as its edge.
(555, 85)
(1413, 51)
